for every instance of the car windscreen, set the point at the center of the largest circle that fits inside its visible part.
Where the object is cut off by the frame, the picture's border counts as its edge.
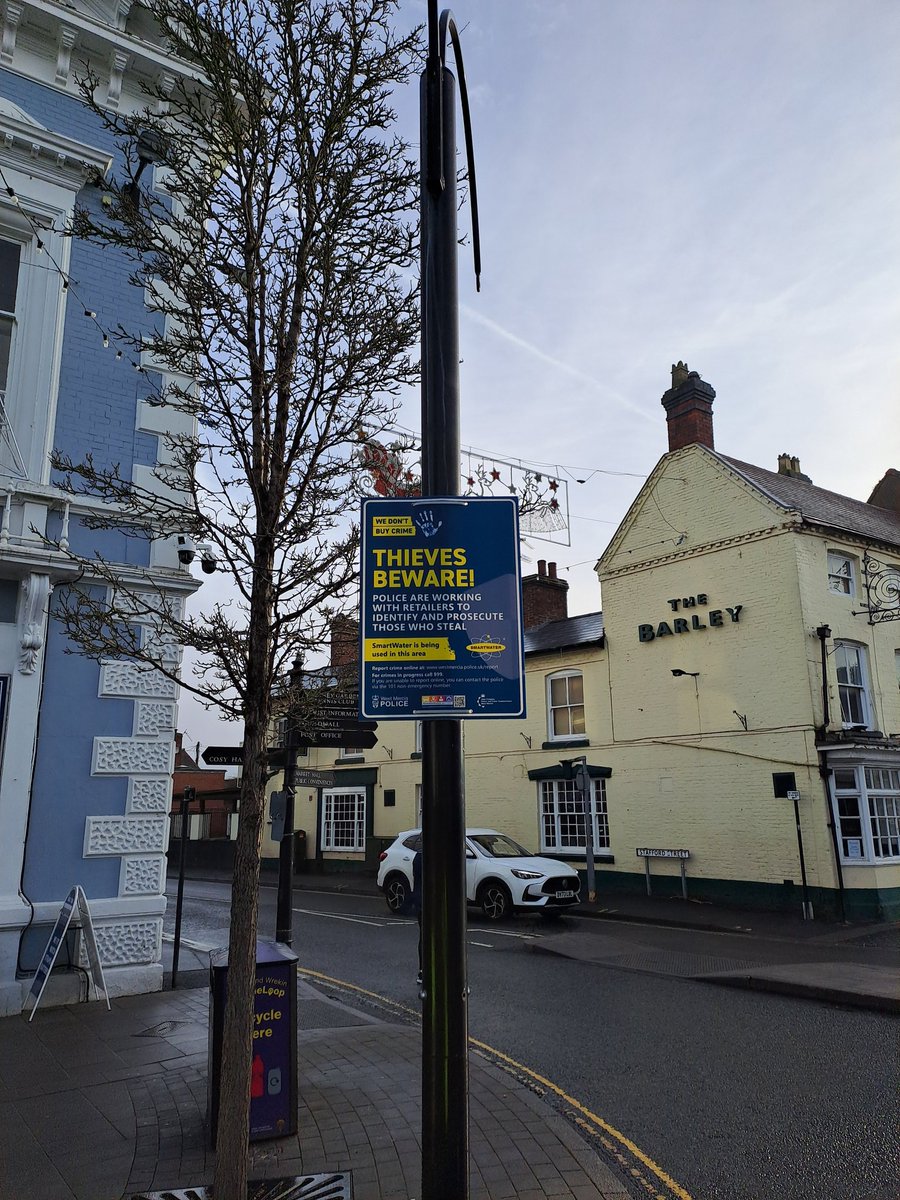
(498, 845)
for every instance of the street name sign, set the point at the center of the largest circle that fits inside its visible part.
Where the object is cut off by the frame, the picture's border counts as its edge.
(441, 609)
(644, 852)
(351, 737)
(307, 777)
(223, 756)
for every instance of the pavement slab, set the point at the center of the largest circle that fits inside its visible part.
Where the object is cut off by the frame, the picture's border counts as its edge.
(127, 1117)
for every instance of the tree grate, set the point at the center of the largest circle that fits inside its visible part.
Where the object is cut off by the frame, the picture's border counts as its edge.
(297, 1187)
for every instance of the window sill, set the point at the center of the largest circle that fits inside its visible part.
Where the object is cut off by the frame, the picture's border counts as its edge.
(566, 743)
(350, 760)
(416, 754)
(558, 856)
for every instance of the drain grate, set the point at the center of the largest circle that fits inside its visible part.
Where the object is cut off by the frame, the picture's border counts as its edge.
(298, 1187)
(163, 1029)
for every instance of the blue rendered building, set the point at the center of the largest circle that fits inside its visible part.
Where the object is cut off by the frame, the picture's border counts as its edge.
(86, 748)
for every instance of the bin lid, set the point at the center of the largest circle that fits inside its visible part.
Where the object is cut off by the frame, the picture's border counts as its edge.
(266, 954)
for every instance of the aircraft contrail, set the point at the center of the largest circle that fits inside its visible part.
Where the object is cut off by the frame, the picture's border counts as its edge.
(536, 352)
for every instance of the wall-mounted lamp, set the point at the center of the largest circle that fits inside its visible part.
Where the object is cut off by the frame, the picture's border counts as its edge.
(150, 147)
(678, 671)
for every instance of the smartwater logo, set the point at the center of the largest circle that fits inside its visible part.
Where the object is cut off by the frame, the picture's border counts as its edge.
(390, 702)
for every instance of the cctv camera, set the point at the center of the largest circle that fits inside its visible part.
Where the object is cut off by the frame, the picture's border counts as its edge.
(185, 549)
(208, 558)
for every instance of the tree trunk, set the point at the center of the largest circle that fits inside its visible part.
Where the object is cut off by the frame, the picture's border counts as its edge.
(232, 1138)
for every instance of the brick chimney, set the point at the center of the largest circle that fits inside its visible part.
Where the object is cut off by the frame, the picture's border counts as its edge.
(886, 493)
(544, 596)
(344, 642)
(789, 464)
(688, 405)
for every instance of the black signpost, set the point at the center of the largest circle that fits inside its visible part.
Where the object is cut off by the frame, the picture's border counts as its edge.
(187, 796)
(445, 1070)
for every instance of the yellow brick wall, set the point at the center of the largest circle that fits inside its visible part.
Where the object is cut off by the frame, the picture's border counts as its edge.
(685, 773)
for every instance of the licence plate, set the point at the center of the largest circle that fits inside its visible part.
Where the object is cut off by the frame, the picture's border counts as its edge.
(565, 895)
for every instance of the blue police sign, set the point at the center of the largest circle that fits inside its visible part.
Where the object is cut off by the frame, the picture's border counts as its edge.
(441, 624)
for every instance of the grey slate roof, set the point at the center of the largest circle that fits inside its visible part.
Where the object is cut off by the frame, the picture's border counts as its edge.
(571, 631)
(818, 506)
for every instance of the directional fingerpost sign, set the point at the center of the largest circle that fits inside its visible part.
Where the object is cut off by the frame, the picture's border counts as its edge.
(223, 756)
(442, 608)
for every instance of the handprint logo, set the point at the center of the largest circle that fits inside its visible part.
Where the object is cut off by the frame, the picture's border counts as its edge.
(425, 521)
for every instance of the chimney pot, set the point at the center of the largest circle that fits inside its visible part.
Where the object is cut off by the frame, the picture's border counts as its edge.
(688, 404)
(789, 464)
(551, 570)
(544, 597)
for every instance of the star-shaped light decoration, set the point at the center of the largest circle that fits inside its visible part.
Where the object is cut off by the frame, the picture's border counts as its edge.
(470, 482)
(552, 485)
(495, 474)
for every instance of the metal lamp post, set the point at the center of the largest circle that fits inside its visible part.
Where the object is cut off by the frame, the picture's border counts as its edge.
(445, 1082)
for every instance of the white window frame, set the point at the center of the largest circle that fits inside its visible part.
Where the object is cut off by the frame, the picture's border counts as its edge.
(334, 832)
(867, 812)
(842, 573)
(417, 747)
(844, 653)
(46, 171)
(350, 752)
(552, 736)
(560, 807)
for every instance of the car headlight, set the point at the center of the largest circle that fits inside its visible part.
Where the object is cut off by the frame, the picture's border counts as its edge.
(527, 874)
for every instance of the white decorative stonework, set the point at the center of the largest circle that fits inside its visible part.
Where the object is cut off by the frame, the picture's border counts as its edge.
(122, 943)
(130, 680)
(36, 590)
(125, 835)
(132, 756)
(149, 795)
(142, 876)
(153, 717)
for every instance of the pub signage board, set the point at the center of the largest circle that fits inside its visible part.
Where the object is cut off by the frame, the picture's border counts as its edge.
(441, 609)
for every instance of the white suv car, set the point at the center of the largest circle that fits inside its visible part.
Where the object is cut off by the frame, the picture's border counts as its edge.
(501, 876)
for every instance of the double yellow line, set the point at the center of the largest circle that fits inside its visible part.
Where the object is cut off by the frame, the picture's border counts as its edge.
(608, 1135)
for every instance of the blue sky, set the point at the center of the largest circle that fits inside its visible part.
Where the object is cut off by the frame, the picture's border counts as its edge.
(716, 181)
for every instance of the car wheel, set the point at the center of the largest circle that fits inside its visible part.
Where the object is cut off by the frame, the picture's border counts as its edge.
(495, 901)
(396, 892)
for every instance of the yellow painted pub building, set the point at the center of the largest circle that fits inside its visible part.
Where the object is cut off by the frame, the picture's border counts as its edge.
(737, 699)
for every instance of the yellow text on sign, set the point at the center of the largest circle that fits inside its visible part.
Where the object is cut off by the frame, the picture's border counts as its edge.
(393, 527)
(408, 650)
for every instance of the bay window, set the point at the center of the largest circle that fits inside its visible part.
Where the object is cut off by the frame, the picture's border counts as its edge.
(867, 812)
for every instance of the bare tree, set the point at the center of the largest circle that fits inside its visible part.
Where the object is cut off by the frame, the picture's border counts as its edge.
(278, 263)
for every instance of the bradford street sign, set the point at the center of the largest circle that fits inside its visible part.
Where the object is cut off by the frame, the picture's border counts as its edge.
(441, 608)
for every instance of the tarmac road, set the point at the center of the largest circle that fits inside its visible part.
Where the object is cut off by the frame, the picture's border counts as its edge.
(738, 1095)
